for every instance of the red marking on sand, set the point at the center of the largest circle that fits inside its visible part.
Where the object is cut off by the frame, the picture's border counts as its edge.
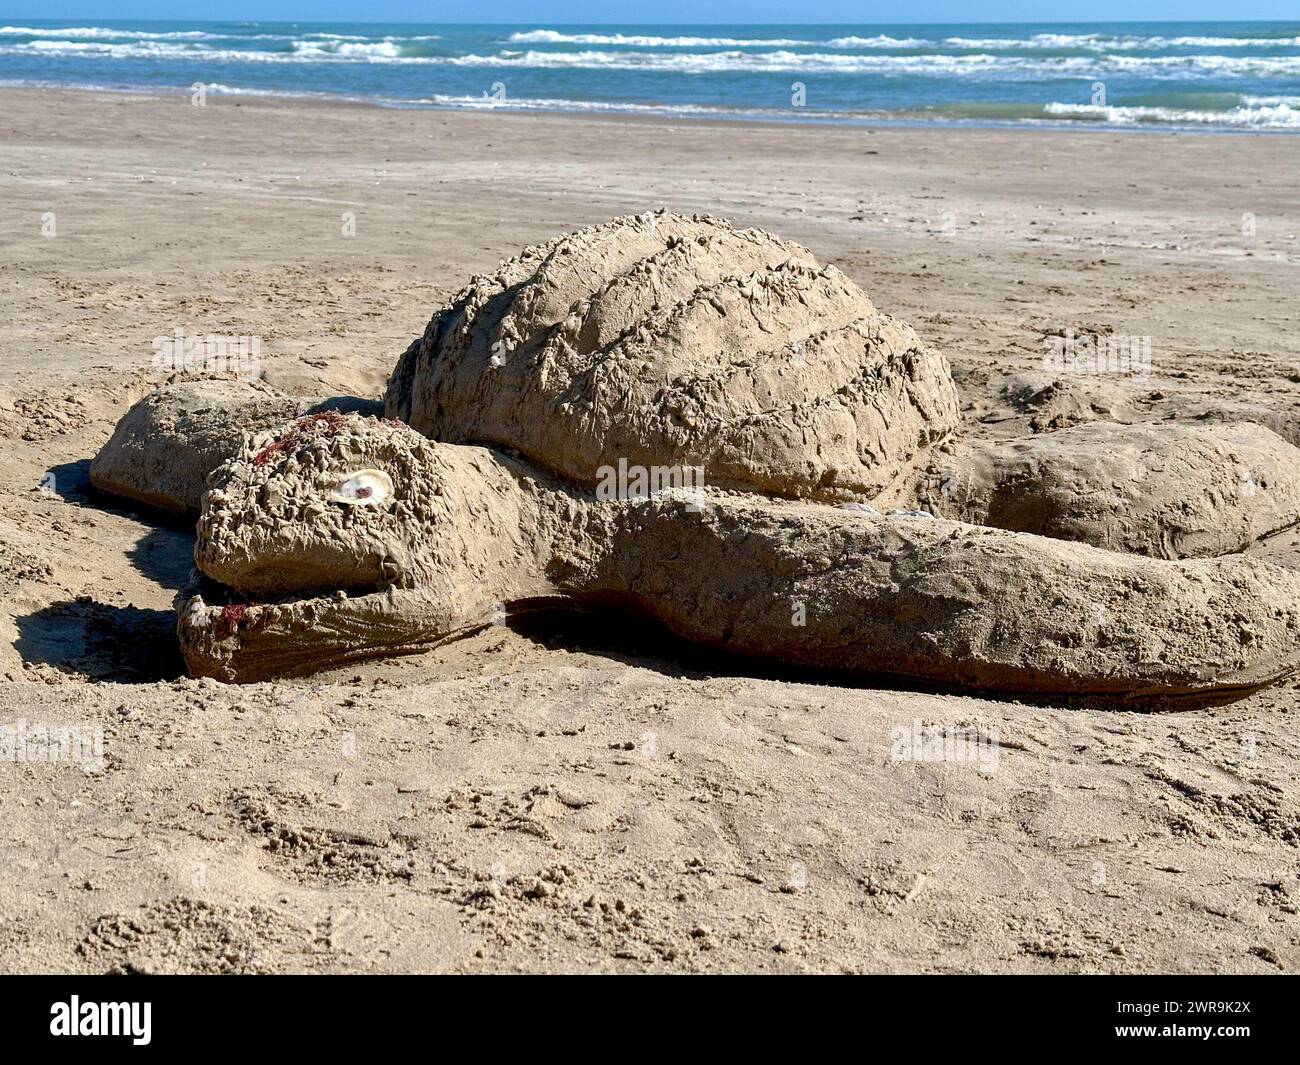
(332, 421)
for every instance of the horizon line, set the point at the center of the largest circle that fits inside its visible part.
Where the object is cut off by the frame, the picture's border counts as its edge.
(553, 22)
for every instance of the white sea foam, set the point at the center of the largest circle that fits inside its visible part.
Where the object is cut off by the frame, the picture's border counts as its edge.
(977, 64)
(103, 32)
(641, 41)
(347, 49)
(877, 42)
(780, 60)
(1037, 42)
(132, 50)
(123, 37)
(1270, 101)
(1227, 42)
(1108, 43)
(1263, 116)
(981, 65)
(487, 103)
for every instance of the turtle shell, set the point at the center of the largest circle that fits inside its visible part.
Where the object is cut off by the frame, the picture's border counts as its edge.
(660, 340)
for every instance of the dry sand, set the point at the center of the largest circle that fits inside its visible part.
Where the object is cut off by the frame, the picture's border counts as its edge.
(568, 796)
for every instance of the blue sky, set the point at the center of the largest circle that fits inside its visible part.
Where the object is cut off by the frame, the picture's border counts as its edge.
(552, 12)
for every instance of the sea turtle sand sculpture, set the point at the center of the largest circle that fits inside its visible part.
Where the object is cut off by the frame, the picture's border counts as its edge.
(674, 343)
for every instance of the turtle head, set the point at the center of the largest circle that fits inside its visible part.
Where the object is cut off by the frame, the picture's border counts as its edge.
(317, 545)
(331, 502)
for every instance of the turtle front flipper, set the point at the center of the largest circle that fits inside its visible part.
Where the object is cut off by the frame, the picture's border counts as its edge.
(166, 445)
(943, 601)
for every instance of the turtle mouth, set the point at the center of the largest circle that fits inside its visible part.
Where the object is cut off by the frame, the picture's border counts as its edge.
(225, 635)
(230, 612)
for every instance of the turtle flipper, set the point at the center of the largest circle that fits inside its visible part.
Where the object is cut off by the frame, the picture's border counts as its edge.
(1165, 490)
(947, 602)
(165, 446)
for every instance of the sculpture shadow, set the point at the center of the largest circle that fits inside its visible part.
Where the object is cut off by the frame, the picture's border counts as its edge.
(367, 408)
(72, 485)
(97, 641)
(164, 555)
(70, 481)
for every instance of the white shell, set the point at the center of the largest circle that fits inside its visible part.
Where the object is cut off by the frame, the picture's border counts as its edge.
(364, 488)
(197, 613)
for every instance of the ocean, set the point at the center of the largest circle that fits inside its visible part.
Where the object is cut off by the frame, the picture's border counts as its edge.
(1207, 76)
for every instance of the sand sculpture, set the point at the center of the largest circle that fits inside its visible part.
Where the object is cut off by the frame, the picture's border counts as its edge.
(675, 344)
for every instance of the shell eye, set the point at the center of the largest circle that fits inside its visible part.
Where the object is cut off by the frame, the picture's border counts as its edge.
(364, 488)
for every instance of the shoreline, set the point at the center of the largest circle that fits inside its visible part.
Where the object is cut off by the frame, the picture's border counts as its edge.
(664, 112)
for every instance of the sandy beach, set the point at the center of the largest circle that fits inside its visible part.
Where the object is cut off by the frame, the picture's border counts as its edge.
(581, 797)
